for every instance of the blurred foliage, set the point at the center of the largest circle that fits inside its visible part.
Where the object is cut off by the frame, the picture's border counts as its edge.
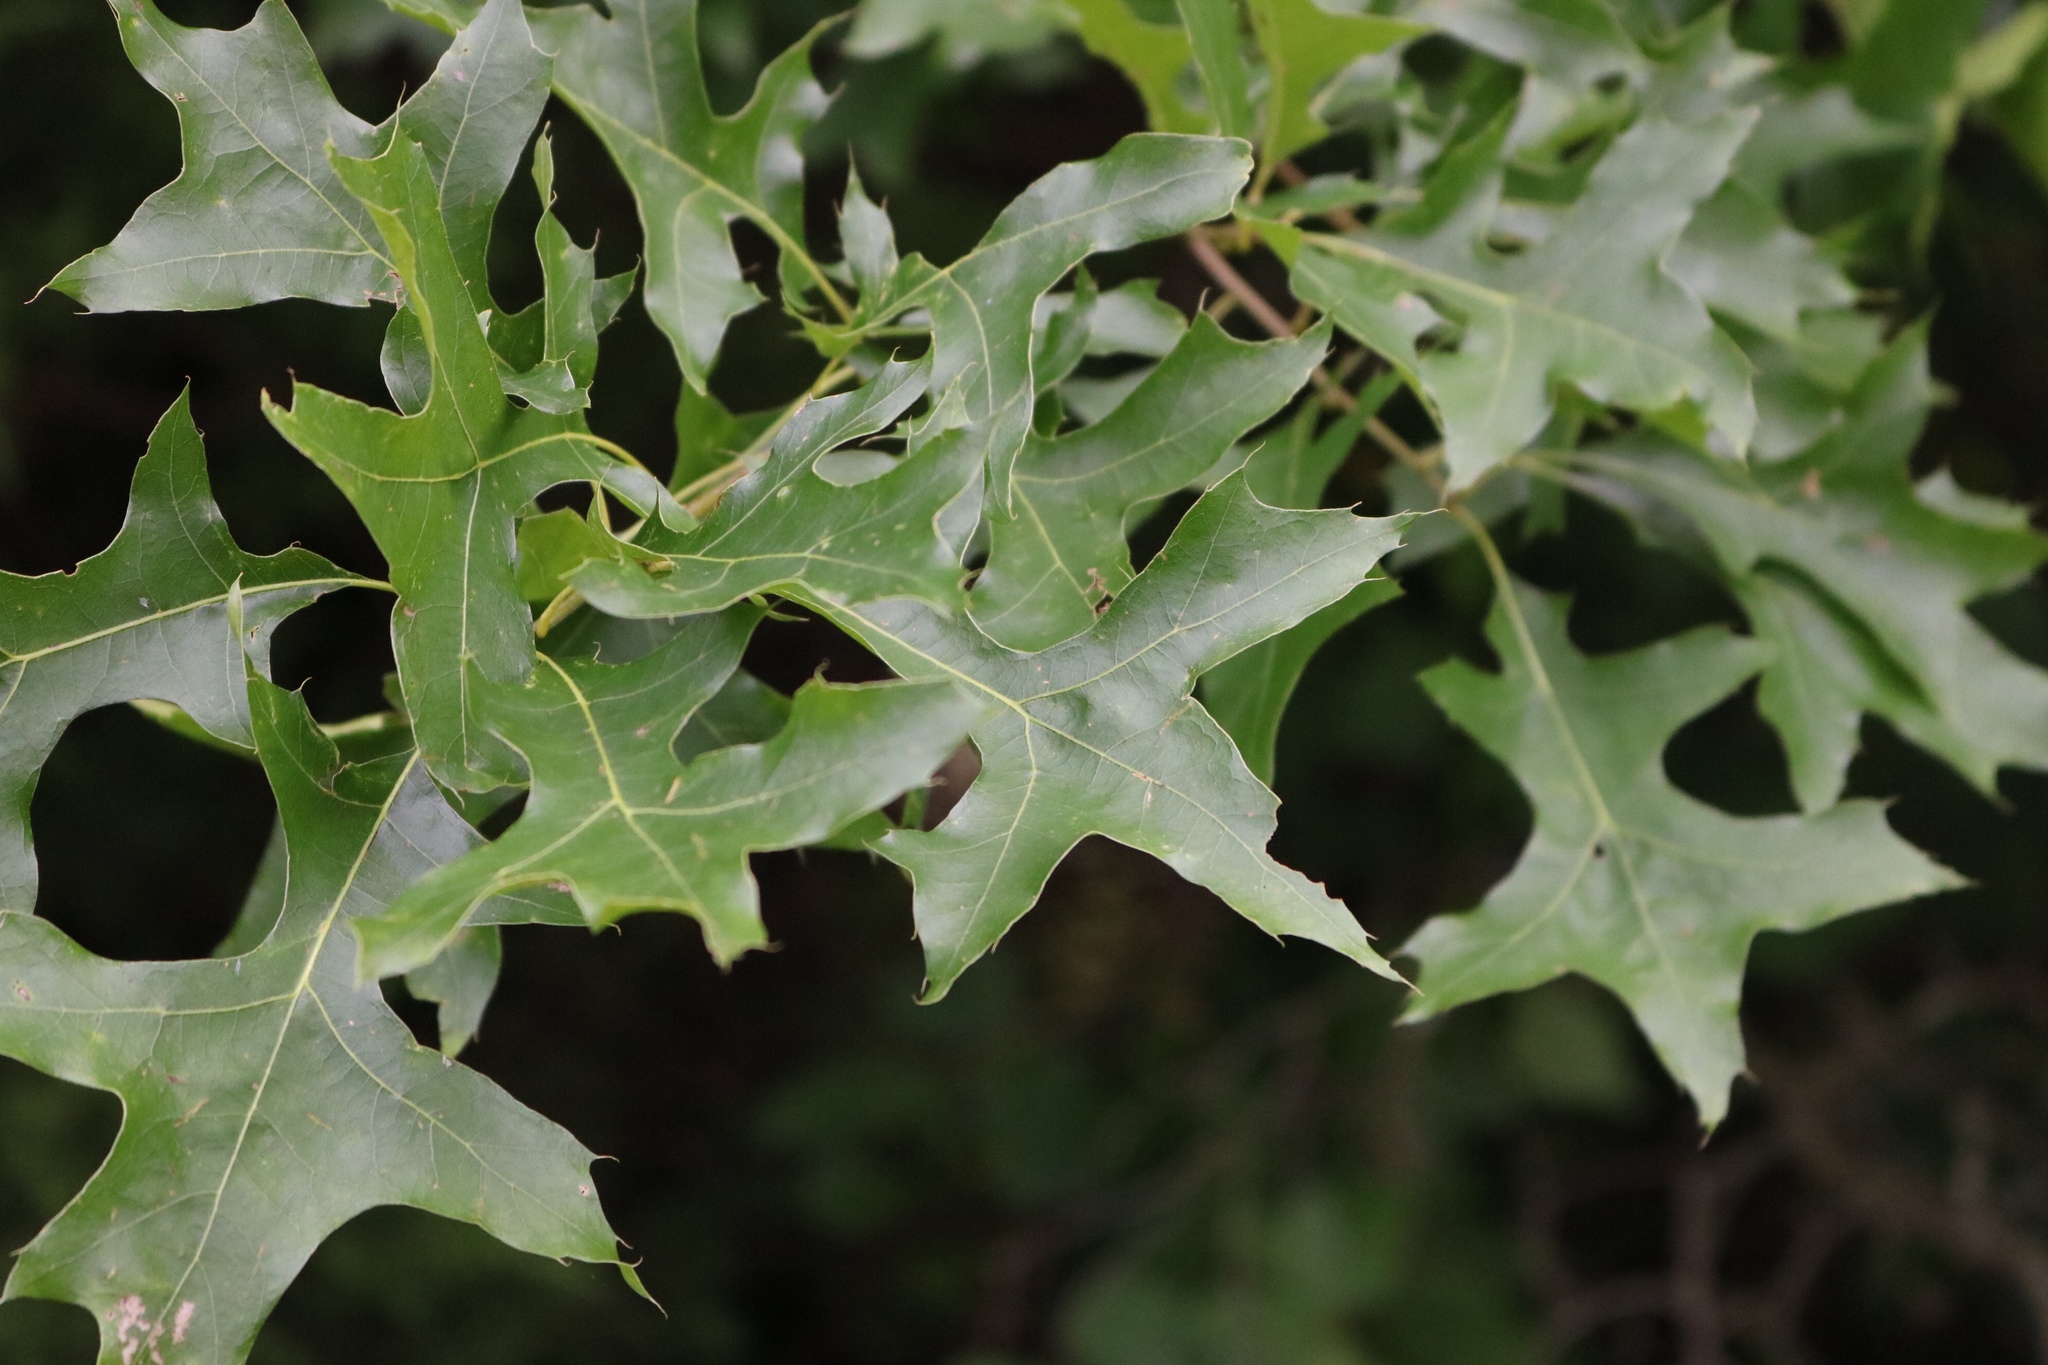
(1142, 1133)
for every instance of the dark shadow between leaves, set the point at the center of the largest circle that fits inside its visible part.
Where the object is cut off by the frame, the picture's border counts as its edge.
(147, 841)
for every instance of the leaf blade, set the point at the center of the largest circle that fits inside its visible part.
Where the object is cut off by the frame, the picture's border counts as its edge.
(268, 1099)
(1626, 879)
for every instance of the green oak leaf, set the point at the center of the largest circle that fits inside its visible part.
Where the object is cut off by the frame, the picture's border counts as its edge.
(1062, 550)
(1802, 127)
(1130, 320)
(867, 239)
(440, 489)
(1061, 336)
(637, 79)
(1216, 39)
(472, 119)
(624, 825)
(871, 262)
(146, 618)
(1804, 380)
(1304, 46)
(1300, 46)
(1741, 258)
(1626, 879)
(786, 526)
(1248, 693)
(547, 351)
(1100, 735)
(1573, 54)
(258, 211)
(1149, 185)
(1573, 43)
(269, 1098)
(1590, 304)
(461, 981)
(744, 710)
(1861, 580)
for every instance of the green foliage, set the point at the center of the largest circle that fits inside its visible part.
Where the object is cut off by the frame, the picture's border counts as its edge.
(788, 525)
(1099, 735)
(441, 489)
(1051, 565)
(1626, 879)
(148, 618)
(272, 1096)
(615, 818)
(258, 213)
(1587, 304)
(637, 79)
(1860, 581)
(1576, 246)
(981, 306)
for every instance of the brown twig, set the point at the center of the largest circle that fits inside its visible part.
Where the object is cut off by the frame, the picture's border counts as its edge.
(1328, 388)
(1225, 274)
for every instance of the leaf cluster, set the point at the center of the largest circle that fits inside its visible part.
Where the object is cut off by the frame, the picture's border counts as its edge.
(1553, 242)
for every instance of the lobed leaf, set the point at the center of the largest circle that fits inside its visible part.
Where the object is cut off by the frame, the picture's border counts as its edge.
(1151, 55)
(1217, 45)
(1304, 47)
(636, 77)
(786, 527)
(1061, 553)
(1099, 734)
(269, 1098)
(259, 211)
(1626, 879)
(150, 617)
(1861, 581)
(1590, 304)
(440, 489)
(1149, 185)
(621, 823)
(472, 119)
(547, 351)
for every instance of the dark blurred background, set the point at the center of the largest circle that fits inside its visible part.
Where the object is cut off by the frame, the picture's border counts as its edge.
(1142, 1133)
